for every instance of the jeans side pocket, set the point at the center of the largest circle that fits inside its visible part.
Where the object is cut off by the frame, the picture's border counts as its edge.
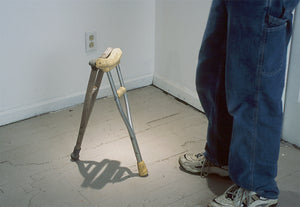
(274, 53)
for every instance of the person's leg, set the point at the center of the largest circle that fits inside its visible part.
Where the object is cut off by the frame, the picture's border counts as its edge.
(210, 84)
(258, 35)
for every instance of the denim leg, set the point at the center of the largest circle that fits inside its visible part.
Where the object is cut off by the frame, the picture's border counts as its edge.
(257, 38)
(210, 84)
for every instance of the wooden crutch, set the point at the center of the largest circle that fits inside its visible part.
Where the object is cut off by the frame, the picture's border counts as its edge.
(109, 60)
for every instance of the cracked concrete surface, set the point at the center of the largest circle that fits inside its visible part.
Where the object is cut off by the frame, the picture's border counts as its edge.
(35, 166)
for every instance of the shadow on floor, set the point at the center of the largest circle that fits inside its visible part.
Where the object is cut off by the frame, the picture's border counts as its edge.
(217, 184)
(289, 199)
(98, 174)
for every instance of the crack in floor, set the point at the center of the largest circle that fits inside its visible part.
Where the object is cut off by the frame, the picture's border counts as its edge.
(33, 196)
(162, 118)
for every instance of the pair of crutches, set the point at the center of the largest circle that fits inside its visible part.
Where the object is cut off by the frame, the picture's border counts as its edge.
(109, 60)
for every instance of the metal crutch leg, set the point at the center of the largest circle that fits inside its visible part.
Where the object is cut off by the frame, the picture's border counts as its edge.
(90, 97)
(125, 95)
(117, 94)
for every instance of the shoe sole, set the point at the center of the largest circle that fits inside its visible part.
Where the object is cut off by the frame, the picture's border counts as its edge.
(272, 205)
(221, 173)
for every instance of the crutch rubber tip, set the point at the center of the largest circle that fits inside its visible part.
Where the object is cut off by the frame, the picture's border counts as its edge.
(75, 154)
(143, 172)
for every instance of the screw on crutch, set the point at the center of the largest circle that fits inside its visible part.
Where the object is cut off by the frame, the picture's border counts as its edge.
(109, 60)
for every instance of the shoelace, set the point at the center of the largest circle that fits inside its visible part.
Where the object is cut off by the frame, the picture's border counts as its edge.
(240, 196)
(243, 198)
(199, 155)
(204, 163)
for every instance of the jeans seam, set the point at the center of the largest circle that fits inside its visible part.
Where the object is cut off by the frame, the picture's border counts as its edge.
(257, 97)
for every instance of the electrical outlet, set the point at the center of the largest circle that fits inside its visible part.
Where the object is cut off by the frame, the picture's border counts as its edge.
(90, 41)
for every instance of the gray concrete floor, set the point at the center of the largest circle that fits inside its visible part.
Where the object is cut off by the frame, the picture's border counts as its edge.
(35, 166)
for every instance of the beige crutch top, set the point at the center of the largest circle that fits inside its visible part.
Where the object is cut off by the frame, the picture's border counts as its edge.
(109, 59)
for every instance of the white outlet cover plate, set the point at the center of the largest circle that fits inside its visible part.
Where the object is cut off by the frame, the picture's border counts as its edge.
(88, 41)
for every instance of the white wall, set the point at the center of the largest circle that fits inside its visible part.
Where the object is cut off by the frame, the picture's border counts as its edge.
(43, 63)
(178, 34)
(291, 129)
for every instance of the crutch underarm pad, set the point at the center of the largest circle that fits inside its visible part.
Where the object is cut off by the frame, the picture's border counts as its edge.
(109, 63)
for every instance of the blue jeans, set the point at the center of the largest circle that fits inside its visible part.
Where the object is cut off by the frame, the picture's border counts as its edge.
(240, 79)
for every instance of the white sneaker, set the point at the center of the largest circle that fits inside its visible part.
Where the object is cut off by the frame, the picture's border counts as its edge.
(236, 196)
(198, 164)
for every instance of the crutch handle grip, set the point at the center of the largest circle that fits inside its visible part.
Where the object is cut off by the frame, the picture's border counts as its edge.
(111, 60)
(121, 91)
